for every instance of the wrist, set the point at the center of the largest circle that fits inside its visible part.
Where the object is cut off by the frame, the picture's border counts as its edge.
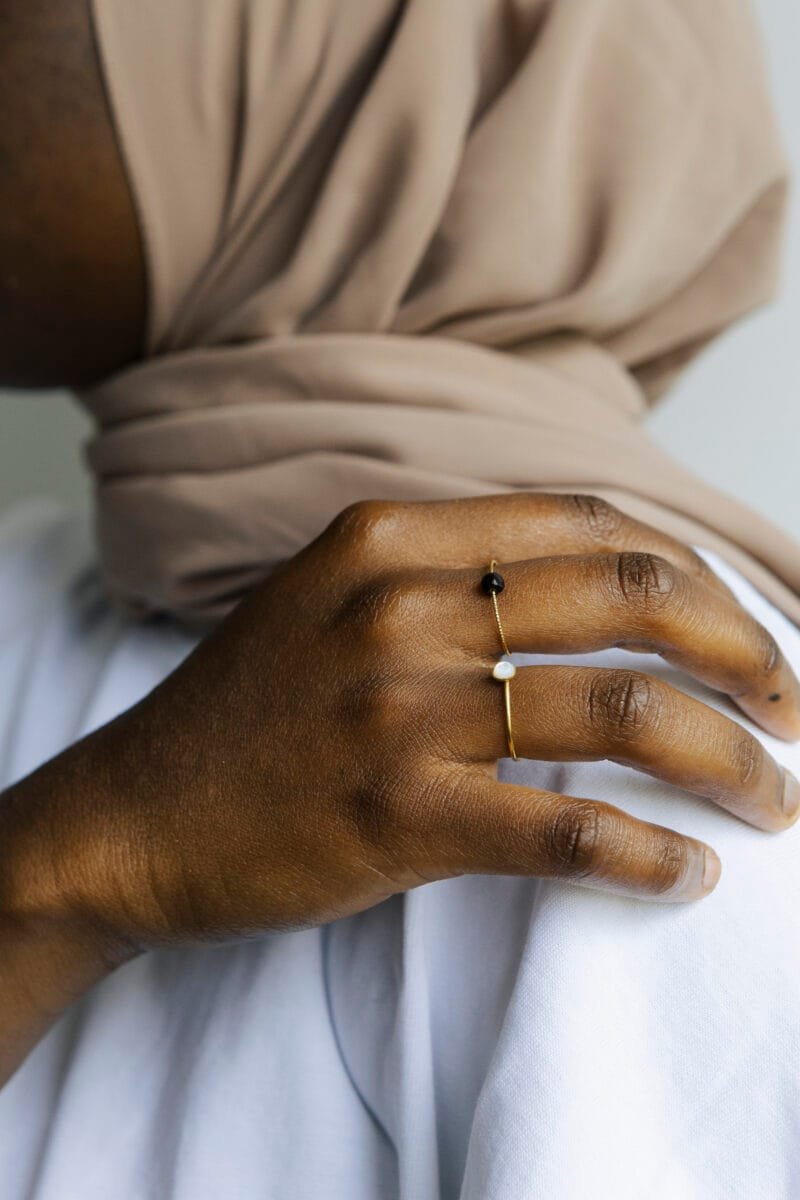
(44, 967)
(50, 954)
(57, 843)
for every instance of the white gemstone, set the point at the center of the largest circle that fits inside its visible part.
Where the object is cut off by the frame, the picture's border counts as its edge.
(504, 669)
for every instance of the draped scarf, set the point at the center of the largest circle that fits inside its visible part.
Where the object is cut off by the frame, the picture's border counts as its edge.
(419, 249)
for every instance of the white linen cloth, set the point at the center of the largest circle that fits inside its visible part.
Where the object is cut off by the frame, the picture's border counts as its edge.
(479, 1039)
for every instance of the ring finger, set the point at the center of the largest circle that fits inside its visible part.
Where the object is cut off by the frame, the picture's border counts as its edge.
(579, 604)
(571, 714)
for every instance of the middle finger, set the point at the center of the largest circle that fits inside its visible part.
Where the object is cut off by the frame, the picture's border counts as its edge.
(579, 604)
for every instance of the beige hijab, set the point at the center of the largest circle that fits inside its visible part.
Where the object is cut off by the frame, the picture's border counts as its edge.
(422, 248)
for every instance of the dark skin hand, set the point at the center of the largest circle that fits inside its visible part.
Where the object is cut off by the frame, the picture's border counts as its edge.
(335, 740)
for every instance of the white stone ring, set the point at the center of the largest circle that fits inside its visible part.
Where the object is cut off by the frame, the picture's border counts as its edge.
(503, 670)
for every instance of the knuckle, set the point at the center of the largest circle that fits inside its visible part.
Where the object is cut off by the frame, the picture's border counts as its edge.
(622, 704)
(747, 757)
(391, 814)
(430, 806)
(601, 520)
(670, 862)
(365, 528)
(387, 612)
(374, 811)
(767, 650)
(645, 580)
(380, 707)
(700, 567)
(574, 839)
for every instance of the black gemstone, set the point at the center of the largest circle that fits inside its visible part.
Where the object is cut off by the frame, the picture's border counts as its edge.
(492, 583)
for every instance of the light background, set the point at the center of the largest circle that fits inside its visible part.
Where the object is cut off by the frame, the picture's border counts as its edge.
(734, 417)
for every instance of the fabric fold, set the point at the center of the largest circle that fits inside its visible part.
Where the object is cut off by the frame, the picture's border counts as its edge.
(414, 251)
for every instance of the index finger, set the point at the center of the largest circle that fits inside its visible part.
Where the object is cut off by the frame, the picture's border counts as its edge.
(468, 530)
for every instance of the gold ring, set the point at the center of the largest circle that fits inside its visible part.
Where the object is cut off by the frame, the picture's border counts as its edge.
(503, 670)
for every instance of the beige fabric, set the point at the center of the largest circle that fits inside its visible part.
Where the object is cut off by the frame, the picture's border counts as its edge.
(422, 249)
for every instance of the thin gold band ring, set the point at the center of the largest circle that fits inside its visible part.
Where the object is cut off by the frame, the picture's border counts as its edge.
(492, 584)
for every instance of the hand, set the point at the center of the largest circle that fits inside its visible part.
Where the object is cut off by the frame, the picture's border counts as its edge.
(335, 740)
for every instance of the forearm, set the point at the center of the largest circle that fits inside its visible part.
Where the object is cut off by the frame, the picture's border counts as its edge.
(50, 953)
(44, 966)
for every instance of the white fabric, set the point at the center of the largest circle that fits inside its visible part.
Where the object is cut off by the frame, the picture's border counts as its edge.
(483, 1038)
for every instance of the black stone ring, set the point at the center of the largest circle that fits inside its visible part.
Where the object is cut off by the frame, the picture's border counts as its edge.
(493, 583)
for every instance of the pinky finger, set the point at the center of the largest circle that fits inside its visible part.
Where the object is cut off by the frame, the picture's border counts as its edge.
(514, 830)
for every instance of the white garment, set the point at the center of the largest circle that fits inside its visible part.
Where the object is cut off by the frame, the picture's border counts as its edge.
(481, 1038)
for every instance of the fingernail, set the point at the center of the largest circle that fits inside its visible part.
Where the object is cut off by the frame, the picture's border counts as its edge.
(702, 872)
(791, 794)
(711, 870)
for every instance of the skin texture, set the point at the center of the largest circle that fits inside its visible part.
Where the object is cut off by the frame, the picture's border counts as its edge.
(72, 280)
(335, 740)
(263, 787)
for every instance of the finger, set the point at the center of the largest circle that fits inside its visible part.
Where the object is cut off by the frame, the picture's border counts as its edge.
(469, 531)
(635, 601)
(572, 714)
(500, 828)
